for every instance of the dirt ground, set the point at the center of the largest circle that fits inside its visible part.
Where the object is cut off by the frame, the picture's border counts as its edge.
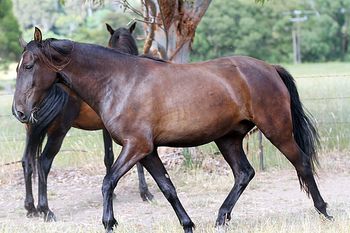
(75, 195)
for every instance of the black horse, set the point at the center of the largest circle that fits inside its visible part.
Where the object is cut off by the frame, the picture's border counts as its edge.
(61, 110)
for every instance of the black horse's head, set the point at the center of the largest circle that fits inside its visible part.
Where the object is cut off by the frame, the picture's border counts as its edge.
(122, 40)
(37, 70)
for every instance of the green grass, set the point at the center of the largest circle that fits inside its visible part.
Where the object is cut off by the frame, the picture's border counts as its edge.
(330, 68)
(323, 88)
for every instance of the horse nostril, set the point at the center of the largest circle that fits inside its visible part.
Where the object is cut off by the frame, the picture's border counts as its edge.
(21, 115)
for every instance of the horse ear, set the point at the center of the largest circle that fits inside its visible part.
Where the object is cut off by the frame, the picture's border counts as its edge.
(22, 42)
(132, 27)
(110, 29)
(37, 35)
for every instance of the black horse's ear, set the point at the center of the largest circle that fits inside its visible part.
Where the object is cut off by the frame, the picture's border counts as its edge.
(132, 27)
(109, 28)
(37, 35)
(22, 42)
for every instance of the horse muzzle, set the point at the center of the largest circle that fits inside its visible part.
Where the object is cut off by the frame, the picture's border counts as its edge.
(19, 113)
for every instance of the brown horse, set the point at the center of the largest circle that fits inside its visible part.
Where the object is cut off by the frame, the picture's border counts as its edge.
(61, 110)
(146, 103)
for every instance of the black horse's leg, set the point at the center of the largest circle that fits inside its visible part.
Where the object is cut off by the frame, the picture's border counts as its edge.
(143, 187)
(156, 168)
(52, 147)
(132, 151)
(109, 155)
(232, 150)
(30, 150)
(109, 158)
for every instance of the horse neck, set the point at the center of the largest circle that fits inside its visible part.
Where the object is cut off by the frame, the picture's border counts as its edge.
(90, 74)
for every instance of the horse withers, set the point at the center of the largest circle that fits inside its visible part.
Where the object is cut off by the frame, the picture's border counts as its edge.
(60, 110)
(146, 103)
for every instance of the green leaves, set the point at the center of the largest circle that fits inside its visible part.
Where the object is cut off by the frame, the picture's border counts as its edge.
(240, 27)
(9, 33)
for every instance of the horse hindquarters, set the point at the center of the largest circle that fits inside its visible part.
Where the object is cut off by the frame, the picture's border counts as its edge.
(289, 128)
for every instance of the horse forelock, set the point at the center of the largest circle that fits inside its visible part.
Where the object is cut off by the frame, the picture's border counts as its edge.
(56, 54)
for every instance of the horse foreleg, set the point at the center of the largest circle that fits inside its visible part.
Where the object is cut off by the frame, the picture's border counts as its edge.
(232, 150)
(156, 168)
(53, 145)
(132, 152)
(30, 150)
(145, 194)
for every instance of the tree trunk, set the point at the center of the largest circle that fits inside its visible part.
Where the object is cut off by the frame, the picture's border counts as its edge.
(173, 24)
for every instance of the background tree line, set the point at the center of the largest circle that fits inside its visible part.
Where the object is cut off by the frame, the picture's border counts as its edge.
(229, 27)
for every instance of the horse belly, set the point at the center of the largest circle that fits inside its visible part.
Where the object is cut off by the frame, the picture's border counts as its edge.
(202, 122)
(88, 119)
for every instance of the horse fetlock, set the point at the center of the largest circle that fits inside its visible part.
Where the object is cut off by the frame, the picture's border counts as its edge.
(188, 226)
(223, 218)
(322, 210)
(146, 195)
(31, 213)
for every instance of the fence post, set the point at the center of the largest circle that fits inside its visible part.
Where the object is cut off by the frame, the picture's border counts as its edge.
(261, 152)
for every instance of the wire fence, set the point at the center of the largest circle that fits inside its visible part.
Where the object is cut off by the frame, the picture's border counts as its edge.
(329, 126)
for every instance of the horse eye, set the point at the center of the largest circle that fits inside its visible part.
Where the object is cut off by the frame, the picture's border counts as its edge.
(28, 67)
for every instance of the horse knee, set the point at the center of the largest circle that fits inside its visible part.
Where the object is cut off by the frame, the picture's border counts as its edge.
(250, 174)
(26, 165)
(245, 175)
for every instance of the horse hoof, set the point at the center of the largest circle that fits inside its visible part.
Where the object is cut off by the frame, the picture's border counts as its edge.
(328, 218)
(147, 196)
(109, 225)
(49, 217)
(32, 213)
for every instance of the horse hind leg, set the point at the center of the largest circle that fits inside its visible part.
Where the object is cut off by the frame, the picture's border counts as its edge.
(156, 168)
(145, 194)
(280, 134)
(231, 148)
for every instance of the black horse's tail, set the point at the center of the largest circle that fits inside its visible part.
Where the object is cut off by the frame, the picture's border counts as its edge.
(52, 105)
(304, 130)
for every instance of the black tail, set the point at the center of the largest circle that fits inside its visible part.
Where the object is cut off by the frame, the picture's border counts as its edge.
(52, 105)
(304, 130)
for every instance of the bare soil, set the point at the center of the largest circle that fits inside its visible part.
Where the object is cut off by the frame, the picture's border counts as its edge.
(75, 194)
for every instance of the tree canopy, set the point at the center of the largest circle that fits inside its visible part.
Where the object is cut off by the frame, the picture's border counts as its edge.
(9, 32)
(229, 27)
(265, 31)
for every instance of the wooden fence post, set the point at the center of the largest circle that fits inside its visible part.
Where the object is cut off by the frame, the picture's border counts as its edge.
(261, 152)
